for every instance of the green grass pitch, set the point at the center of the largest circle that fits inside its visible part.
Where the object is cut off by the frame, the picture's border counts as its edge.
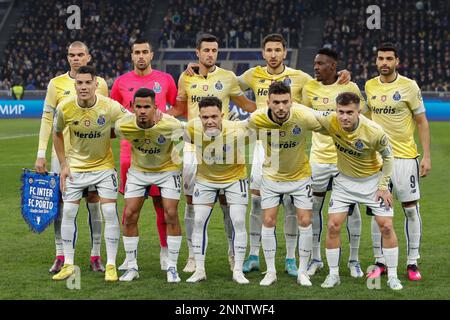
(26, 257)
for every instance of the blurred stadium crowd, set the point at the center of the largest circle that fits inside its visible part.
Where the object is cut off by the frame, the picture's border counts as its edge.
(420, 29)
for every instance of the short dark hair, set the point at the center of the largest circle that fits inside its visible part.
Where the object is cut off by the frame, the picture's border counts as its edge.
(274, 37)
(387, 46)
(87, 70)
(144, 93)
(210, 102)
(329, 53)
(346, 98)
(206, 38)
(278, 87)
(141, 41)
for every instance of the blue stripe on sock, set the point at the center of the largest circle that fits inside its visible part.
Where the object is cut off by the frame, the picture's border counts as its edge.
(204, 231)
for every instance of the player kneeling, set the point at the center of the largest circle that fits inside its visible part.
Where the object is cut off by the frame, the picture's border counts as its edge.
(220, 167)
(359, 142)
(152, 163)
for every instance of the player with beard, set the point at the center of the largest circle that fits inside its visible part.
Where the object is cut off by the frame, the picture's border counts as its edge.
(123, 90)
(396, 104)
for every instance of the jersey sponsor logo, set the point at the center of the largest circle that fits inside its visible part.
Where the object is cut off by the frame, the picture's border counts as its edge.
(87, 123)
(284, 145)
(157, 87)
(297, 130)
(396, 96)
(346, 150)
(101, 120)
(205, 87)
(90, 135)
(383, 98)
(155, 150)
(385, 110)
(359, 145)
(218, 85)
(196, 99)
(325, 100)
(161, 139)
(262, 92)
(287, 81)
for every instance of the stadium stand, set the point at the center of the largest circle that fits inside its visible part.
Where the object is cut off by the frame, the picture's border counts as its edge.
(419, 29)
(37, 51)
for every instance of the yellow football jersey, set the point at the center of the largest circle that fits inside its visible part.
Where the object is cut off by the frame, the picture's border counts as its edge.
(89, 132)
(259, 79)
(357, 151)
(285, 157)
(322, 98)
(58, 89)
(220, 83)
(152, 149)
(221, 158)
(393, 106)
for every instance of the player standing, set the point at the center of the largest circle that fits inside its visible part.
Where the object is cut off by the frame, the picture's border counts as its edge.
(258, 79)
(282, 128)
(220, 167)
(363, 179)
(396, 104)
(152, 146)
(209, 81)
(88, 162)
(320, 94)
(59, 88)
(123, 90)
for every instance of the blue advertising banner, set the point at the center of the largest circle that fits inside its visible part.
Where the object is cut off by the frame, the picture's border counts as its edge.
(438, 109)
(40, 199)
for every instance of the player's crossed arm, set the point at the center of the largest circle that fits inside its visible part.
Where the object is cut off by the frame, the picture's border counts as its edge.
(384, 148)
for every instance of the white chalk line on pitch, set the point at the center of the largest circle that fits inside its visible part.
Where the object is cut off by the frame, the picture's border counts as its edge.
(19, 136)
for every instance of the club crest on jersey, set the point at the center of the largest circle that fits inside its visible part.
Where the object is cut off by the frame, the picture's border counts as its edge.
(157, 87)
(359, 145)
(296, 130)
(87, 123)
(147, 141)
(325, 100)
(218, 85)
(161, 139)
(396, 96)
(282, 134)
(287, 81)
(205, 87)
(101, 120)
(383, 98)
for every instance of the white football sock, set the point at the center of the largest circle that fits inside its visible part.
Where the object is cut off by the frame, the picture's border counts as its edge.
(354, 233)
(173, 247)
(413, 231)
(95, 226)
(377, 242)
(189, 223)
(316, 220)
(131, 245)
(237, 215)
(228, 225)
(255, 225)
(69, 231)
(290, 227)
(57, 227)
(112, 231)
(269, 244)
(200, 234)
(391, 256)
(333, 256)
(304, 247)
